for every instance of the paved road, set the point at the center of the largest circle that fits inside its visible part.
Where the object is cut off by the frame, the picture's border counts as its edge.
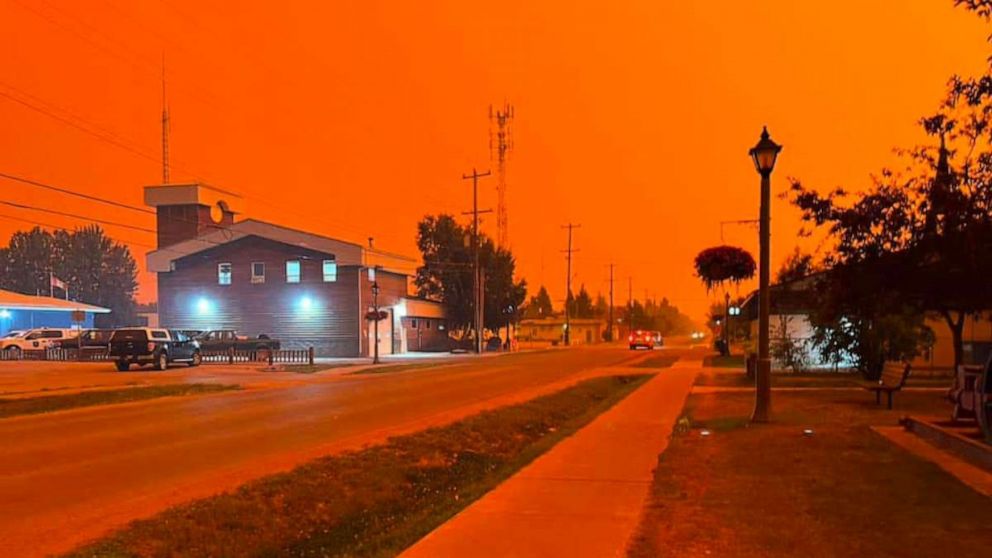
(68, 477)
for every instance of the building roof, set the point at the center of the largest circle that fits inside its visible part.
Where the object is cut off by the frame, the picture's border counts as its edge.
(789, 297)
(345, 253)
(10, 300)
(423, 308)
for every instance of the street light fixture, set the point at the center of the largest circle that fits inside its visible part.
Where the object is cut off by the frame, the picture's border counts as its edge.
(764, 155)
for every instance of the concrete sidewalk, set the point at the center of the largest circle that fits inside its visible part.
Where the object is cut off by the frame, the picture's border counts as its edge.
(583, 497)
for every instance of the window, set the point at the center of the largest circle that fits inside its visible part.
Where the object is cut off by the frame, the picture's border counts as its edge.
(413, 324)
(257, 272)
(159, 334)
(224, 274)
(427, 324)
(330, 271)
(293, 271)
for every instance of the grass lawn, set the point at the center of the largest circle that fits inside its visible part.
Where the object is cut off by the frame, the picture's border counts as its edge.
(373, 502)
(767, 490)
(732, 361)
(660, 361)
(45, 404)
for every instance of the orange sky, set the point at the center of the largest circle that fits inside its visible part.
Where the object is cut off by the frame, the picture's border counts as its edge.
(356, 118)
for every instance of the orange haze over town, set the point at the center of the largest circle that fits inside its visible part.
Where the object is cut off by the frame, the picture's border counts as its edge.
(355, 119)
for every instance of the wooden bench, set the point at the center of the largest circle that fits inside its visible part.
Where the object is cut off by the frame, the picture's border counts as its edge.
(893, 378)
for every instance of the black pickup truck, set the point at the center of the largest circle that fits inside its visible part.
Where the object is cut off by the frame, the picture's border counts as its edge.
(219, 340)
(158, 347)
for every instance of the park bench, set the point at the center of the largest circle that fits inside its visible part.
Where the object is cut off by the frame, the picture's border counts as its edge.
(893, 379)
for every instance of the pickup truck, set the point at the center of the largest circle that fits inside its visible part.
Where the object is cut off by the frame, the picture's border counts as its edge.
(219, 340)
(158, 347)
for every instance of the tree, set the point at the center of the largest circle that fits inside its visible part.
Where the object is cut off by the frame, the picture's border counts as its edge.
(922, 237)
(722, 264)
(601, 309)
(581, 306)
(797, 266)
(28, 260)
(446, 275)
(539, 305)
(96, 269)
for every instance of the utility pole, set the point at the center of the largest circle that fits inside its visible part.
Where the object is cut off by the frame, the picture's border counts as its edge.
(630, 304)
(476, 270)
(610, 327)
(568, 281)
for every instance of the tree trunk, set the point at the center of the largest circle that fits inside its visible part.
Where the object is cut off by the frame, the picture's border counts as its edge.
(955, 321)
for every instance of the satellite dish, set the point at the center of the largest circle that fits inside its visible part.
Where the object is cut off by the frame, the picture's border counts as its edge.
(217, 211)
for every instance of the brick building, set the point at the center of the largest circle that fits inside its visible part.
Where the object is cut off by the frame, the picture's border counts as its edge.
(215, 272)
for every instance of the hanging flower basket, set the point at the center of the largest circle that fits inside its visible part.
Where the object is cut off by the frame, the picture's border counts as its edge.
(721, 264)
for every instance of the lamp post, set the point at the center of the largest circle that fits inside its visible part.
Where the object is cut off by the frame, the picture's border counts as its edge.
(764, 155)
(726, 322)
(375, 310)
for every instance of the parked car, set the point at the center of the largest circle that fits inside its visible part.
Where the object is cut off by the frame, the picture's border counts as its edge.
(646, 339)
(659, 341)
(89, 339)
(219, 340)
(158, 347)
(36, 339)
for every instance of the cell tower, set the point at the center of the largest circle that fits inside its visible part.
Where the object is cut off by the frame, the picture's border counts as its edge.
(165, 128)
(500, 145)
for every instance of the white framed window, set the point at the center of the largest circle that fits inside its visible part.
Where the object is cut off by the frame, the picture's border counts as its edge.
(257, 272)
(292, 271)
(330, 270)
(224, 273)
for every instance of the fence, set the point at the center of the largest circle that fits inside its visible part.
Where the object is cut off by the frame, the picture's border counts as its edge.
(230, 356)
(271, 356)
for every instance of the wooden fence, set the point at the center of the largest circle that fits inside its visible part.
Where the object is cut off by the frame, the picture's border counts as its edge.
(231, 356)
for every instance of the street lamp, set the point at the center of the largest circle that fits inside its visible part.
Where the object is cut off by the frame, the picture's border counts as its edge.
(375, 310)
(764, 155)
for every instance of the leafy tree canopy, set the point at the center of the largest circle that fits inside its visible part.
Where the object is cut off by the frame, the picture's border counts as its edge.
(96, 269)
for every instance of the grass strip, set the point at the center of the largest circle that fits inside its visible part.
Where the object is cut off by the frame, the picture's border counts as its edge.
(11, 407)
(372, 502)
(732, 361)
(389, 368)
(660, 361)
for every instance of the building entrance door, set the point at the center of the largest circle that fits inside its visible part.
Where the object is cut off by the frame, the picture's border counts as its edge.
(385, 336)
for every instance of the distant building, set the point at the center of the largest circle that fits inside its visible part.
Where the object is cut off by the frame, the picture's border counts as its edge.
(19, 312)
(302, 288)
(585, 331)
(147, 314)
(791, 305)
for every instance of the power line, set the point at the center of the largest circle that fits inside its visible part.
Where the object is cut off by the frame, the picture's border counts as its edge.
(74, 193)
(76, 216)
